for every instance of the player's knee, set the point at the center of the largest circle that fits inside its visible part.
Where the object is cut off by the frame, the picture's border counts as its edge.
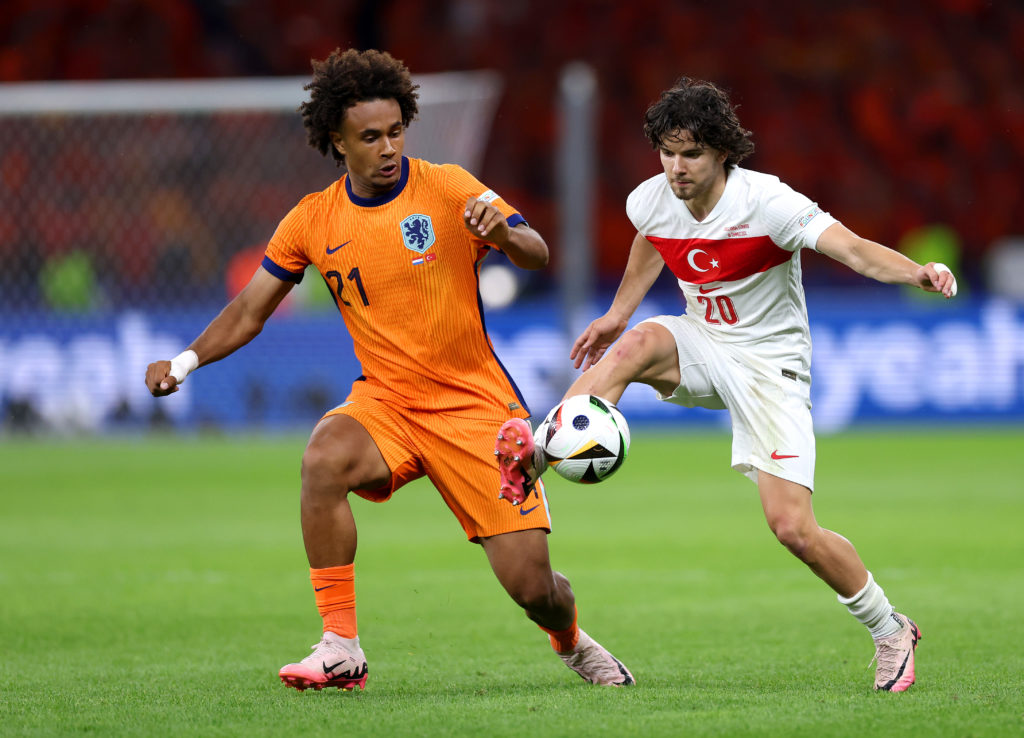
(631, 348)
(634, 352)
(326, 469)
(793, 533)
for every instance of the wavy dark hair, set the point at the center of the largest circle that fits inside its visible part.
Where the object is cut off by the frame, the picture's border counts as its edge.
(346, 78)
(705, 111)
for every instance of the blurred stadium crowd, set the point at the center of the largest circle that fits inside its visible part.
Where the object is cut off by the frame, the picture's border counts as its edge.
(896, 117)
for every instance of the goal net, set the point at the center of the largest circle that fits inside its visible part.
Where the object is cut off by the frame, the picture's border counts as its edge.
(119, 200)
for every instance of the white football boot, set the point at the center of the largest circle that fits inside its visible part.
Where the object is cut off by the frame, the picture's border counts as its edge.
(333, 663)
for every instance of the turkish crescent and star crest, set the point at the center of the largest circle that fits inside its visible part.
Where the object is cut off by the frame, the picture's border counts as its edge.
(701, 261)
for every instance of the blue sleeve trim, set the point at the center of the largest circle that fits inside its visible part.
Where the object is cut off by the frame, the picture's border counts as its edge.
(514, 220)
(280, 272)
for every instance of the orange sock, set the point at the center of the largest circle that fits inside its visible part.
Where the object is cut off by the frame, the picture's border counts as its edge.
(563, 641)
(335, 591)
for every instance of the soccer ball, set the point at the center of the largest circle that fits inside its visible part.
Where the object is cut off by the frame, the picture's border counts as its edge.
(585, 439)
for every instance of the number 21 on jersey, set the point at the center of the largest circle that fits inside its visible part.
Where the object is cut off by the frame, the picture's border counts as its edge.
(353, 276)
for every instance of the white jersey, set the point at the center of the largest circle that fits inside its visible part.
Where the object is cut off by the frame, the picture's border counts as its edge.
(739, 268)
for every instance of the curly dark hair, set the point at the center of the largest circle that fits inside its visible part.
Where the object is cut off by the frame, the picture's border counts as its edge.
(346, 78)
(705, 111)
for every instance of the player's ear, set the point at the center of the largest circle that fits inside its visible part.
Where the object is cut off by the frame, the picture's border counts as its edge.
(338, 142)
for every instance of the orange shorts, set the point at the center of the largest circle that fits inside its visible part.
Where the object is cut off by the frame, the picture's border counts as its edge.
(457, 455)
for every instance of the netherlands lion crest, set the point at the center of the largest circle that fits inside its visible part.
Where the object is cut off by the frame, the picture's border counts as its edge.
(417, 233)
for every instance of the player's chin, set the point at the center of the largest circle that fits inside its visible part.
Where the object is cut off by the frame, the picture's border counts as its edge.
(389, 174)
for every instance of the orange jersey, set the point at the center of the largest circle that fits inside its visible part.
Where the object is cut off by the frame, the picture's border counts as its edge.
(403, 269)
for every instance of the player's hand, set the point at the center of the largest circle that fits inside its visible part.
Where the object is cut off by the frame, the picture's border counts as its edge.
(936, 277)
(159, 379)
(485, 221)
(595, 340)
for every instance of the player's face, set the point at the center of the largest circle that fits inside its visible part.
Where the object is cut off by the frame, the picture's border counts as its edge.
(371, 139)
(695, 172)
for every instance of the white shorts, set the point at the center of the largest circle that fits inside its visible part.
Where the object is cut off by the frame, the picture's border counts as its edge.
(770, 409)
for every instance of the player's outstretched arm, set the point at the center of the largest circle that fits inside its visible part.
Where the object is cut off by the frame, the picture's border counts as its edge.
(522, 245)
(884, 264)
(642, 270)
(238, 323)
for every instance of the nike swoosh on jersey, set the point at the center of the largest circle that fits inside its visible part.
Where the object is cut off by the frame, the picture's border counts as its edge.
(704, 291)
(527, 511)
(331, 251)
(776, 455)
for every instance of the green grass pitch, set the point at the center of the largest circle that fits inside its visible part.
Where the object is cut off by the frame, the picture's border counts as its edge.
(154, 587)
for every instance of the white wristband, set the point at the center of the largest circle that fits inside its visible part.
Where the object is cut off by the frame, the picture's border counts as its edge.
(183, 364)
(940, 268)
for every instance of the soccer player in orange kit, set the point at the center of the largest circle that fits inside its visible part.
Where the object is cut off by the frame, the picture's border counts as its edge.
(399, 242)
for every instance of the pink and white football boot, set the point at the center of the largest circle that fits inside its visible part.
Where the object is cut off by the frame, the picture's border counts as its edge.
(333, 663)
(895, 657)
(520, 460)
(595, 664)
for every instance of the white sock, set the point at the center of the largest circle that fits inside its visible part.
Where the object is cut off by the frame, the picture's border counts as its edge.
(871, 607)
(352, 644)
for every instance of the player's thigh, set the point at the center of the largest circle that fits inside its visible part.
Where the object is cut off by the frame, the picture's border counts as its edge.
(458, 456)
(772, 427)
(695, 358)
(340, 447)
(646, 354)
(392, 430)
(786, 504)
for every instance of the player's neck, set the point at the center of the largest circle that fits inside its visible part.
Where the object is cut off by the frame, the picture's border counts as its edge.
(701, 205)
(367, 190)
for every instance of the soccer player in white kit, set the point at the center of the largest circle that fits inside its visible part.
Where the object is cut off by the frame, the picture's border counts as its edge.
(732, 238)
